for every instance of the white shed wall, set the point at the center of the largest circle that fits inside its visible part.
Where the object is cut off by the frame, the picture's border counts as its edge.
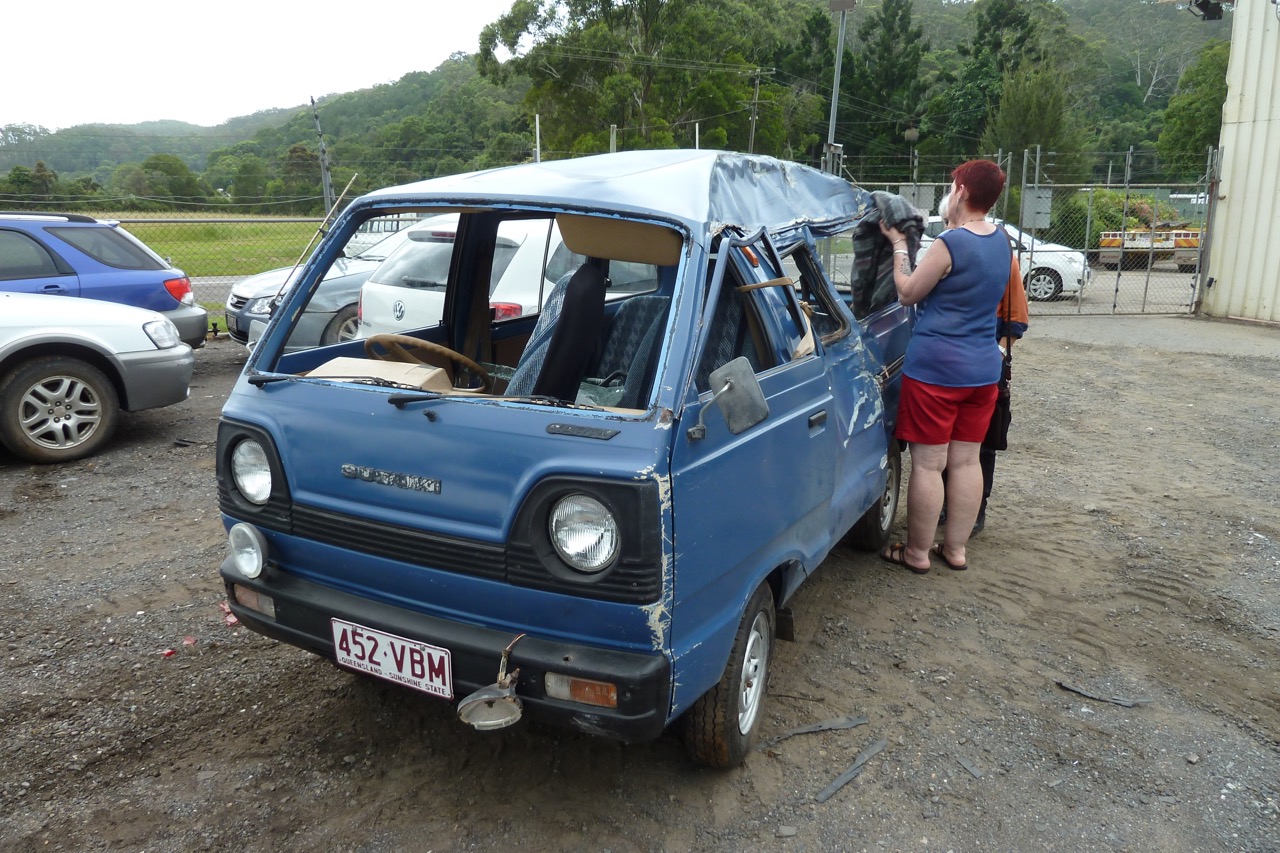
(1245, 254)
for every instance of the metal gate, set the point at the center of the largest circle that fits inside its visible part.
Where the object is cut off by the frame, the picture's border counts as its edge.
(1121, 247)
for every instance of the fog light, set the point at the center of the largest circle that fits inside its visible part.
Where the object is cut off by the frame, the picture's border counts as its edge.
(248, 549)
(254, 600)
(584, 690)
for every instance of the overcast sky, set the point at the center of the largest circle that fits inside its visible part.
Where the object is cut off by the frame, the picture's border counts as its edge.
(79, 61)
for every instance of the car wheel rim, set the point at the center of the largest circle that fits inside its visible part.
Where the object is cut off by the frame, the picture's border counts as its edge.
(1041, 286)
(348, 330)
(60, 412)
(889, 503)
(755, 663)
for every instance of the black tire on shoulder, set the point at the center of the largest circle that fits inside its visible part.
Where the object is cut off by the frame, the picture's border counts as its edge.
(871, 532)
(88, 415)
(720, 729)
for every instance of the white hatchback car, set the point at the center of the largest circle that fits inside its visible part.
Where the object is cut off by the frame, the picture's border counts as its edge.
(69, 365)
(1049, 270)
(407, 290)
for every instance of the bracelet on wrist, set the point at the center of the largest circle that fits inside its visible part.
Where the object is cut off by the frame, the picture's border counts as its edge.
(901, 252)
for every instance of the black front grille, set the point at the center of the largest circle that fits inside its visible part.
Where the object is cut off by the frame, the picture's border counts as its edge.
(404, 544)
(516, 564)
(623, 583)
(235, 303)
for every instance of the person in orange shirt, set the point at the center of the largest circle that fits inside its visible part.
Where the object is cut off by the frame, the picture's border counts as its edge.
(1012, 318)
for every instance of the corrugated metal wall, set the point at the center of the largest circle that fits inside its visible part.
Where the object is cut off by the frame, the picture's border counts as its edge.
(1245, 257)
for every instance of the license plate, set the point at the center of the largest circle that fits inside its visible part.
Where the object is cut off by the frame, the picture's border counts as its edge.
(231, 323)
(411, 663)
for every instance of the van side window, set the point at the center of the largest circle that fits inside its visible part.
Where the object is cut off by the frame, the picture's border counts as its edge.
(733, 332)
(828, 322)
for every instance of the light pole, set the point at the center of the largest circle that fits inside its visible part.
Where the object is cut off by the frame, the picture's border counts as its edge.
(912, 136)
(832, 158)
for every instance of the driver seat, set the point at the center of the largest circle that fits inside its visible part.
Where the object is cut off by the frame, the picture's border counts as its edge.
(564, 338)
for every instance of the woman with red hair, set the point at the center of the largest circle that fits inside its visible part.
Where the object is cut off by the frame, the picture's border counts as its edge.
(952, 367)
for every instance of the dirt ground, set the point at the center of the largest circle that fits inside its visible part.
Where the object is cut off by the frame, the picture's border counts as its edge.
(1132, 552)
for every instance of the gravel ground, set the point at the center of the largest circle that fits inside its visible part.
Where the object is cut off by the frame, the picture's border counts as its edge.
(1132, 553)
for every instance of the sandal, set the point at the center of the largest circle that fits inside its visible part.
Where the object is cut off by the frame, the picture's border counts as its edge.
(955, 567)
(897, 554)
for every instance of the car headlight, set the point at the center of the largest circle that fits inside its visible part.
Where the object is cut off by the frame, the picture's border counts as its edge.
(584, 533)
(261, 305)
(162, 332)
(251, 471)
(248, 548)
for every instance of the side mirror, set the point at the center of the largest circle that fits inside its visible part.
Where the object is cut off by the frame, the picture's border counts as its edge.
(737, 393)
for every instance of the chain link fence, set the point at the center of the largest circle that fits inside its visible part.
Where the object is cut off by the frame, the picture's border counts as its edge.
(1099, 249)
(218, 251)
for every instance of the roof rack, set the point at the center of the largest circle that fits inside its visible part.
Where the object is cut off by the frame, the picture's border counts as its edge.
(35, 214)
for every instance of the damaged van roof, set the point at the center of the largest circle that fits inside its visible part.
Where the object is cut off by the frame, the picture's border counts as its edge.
(705, 190)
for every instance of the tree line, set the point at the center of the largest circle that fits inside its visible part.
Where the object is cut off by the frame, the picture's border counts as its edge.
(923, 85)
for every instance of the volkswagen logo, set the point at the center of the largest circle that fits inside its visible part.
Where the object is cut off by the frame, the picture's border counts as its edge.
(397, 310)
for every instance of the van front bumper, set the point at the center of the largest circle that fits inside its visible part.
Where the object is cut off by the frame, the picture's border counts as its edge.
(303, 610)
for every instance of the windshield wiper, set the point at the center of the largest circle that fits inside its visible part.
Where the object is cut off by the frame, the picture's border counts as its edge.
(260, 379)
(401, 400)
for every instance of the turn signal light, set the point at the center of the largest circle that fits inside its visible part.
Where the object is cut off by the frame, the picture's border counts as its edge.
(506, 310)
(573, 689)
(254, 600)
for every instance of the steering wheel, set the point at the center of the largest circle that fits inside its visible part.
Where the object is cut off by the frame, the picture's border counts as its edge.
(404, 348)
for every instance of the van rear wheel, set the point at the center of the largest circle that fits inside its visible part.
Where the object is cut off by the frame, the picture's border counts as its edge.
(721, 727)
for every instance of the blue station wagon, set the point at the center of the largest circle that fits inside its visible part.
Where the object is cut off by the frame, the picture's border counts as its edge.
(70, 254)
(596, 514)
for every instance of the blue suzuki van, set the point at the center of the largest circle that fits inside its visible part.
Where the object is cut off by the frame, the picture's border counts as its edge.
(595, 513)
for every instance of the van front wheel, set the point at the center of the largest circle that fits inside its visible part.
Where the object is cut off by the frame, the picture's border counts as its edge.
(721, 727)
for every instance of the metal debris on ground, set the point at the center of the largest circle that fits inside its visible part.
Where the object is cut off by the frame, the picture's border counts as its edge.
(854, 769)
(1114, 700)
(970, 766)
(824, 726)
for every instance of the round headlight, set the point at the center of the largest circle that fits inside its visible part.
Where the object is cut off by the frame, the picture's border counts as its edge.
(585, 533)
(248, 549)
(251, 472)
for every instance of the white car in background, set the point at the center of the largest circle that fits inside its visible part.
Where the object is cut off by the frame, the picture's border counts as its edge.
(68, 365)
(407, 290)
(1049, 270)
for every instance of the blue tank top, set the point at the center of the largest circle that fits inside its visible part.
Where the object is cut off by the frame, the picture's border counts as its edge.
(954, 341)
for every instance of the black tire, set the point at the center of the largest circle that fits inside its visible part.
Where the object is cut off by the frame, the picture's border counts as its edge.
(871, 532)
(342, 327)
(720, 729)
(1043, 284)
(56, 409)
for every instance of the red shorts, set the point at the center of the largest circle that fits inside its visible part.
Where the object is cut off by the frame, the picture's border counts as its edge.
(934, 414)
